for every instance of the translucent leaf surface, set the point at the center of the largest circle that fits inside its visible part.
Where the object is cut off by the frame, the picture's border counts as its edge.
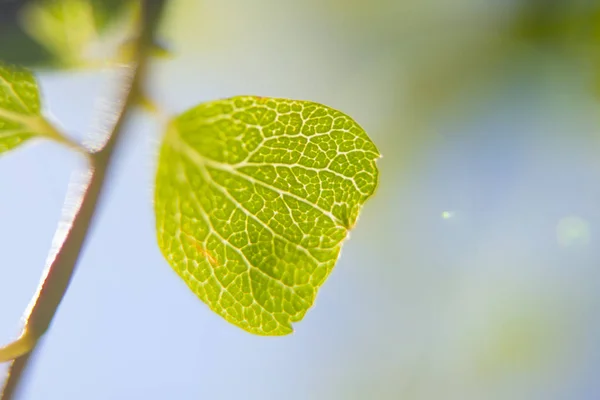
(254, 198)
(20, 117)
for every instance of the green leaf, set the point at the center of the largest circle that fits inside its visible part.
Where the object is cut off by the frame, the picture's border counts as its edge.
(254, 197)
(64, 27)
(79, 33)
(20, 115)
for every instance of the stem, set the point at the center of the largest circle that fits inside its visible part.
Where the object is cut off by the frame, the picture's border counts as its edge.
(17, 371)
(71, 236)
(54, 134)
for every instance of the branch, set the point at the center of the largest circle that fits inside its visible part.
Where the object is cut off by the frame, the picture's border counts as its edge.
(71, 235)
(16, 372)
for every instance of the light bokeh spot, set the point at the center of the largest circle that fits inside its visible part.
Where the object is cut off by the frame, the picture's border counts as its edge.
(573, 231)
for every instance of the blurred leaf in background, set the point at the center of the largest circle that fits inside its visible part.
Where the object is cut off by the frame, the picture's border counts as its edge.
(63, 33)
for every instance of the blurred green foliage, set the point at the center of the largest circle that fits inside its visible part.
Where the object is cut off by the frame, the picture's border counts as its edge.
(56, 33)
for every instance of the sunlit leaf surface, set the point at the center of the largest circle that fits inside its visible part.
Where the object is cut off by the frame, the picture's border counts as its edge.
(20, 115)
(254, 198)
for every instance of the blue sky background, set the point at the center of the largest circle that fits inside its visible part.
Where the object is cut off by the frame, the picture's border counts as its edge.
(472, 274)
